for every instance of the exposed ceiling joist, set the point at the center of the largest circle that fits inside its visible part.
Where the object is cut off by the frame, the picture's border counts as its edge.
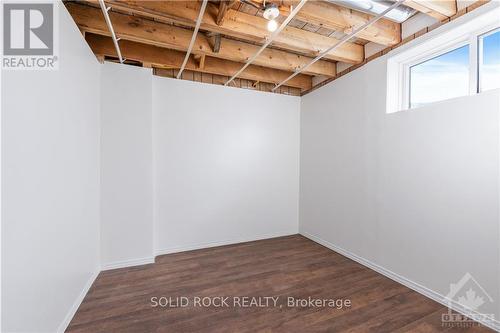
(214, 40)
(241, 25)
(269, 40)
(224, 5)
(338, 18)
(201, 60)
(344, 39)
(439, 9)
(164, 58)
(168, 36)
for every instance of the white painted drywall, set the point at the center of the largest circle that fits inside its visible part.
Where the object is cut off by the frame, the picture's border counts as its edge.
(50, 187)
(415, 192)
(226, 164)
(126, 166)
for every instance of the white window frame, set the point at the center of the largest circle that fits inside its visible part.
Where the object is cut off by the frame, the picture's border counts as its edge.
(439, 43)
(480, 54)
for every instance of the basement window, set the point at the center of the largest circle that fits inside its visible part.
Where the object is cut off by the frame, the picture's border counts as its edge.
(428, 78)
(465, 60)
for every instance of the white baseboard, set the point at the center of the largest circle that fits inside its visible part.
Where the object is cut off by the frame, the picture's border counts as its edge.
(149, 260)
(190, 247)
(128, 263)
(67, 319)
(198, 246)
(494, 325)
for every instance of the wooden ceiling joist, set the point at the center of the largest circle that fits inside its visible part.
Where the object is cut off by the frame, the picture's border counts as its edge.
(219, 80)
(241, 25)
(344, 39)
(214, 41)
(159, 34)
(439, 9)
(338, 18)
(164, 58)
(269, 40)
(224, 6)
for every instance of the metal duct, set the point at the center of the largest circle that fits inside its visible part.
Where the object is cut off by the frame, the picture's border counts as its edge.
(375, 7)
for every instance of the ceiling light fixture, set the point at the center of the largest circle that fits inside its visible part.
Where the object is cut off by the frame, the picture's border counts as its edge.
(272, 25)
(271, 12)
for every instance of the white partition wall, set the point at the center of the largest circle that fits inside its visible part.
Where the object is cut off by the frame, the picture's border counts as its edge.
(226, 164)
(126, 166)
(208, 164)
(50, 187)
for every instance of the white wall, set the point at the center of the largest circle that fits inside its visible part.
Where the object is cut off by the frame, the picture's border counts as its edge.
(126, 166)
(415, 192)
(50, 187)
(226, 164)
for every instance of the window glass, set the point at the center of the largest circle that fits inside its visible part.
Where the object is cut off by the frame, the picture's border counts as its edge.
(443, 77)
(489, 74)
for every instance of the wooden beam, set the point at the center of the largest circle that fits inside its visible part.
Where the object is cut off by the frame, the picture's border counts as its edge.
(172, 37)
(219, 80)
(335, 17)
(164, 58)
(241, 25)
(439, 9)
(201, 60)
(224, 5)
(214, 40)
(269, 40)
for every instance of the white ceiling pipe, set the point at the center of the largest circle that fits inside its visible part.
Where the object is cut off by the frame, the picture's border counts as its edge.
(340, 42)
(193, 38)
(269, 40)
(110, 27)
(375, 7)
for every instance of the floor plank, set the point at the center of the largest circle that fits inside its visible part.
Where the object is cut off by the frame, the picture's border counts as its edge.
(292, 266)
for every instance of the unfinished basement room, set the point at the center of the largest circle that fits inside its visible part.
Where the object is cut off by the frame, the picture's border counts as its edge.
(290, 166)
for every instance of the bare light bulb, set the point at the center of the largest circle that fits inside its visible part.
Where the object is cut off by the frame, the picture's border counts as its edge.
(272, 25)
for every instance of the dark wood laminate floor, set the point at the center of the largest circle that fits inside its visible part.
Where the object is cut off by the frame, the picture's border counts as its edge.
(120, 300)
